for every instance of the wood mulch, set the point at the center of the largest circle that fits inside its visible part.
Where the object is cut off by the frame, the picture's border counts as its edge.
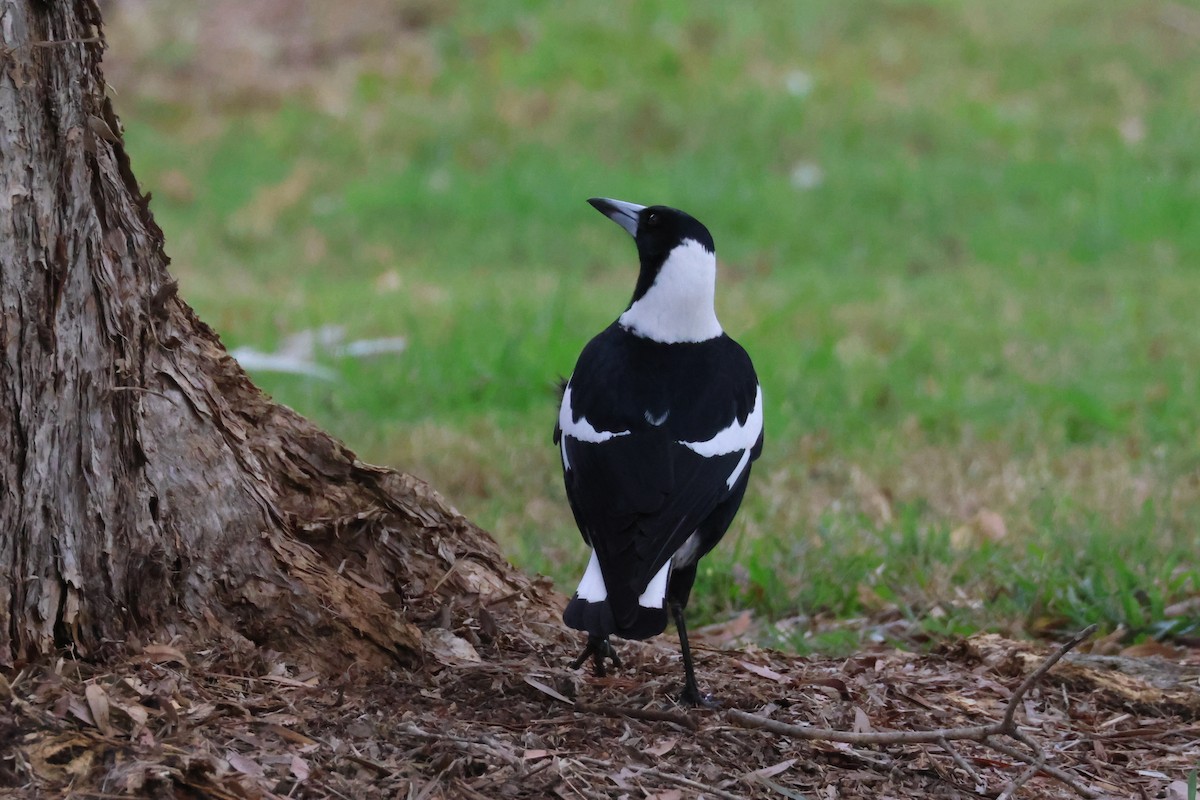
(494, 712)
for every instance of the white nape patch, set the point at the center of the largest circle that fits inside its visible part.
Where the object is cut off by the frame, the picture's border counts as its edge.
(656, 590)
(591, 586)
(582, 430)
(678, 306)
(737, 436)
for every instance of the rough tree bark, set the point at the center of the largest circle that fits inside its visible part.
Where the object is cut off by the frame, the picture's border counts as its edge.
(146, 486)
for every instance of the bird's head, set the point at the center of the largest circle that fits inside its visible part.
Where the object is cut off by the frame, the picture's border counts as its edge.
(673, 299)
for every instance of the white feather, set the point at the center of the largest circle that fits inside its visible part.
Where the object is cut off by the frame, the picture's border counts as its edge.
(591, 586)
(736, 436)
(656, 590)
(678, 306)
(580, 429)
(737, 471)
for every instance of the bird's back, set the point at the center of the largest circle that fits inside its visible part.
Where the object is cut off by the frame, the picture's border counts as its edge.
(656, 441)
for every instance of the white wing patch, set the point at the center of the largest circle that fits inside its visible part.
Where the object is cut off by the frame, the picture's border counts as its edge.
(580, 430)
(737, 436)
(592, 587)
(562, 445)
(656, 590)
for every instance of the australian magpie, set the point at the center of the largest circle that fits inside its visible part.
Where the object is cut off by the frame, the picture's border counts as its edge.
(658, 427)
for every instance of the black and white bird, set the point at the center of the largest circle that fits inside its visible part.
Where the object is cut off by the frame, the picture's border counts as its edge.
(658, 427)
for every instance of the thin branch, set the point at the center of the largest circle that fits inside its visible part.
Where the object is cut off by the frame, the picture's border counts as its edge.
(649, 714)
(975, 732)
(964, 765)
(1006, 726)
(1038, 673)
(1020, 781)
(688, 782)
(1052, 771)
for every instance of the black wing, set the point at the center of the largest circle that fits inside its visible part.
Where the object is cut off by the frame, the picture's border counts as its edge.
(643, 466)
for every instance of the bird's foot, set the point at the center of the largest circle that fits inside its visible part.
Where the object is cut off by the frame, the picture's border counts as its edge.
(599, 649)
(691, 696)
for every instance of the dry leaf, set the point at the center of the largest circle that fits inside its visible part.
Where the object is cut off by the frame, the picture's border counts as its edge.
(1184, 608)
(1109, 644)
(663, 747)
(862, 723)
(449, 649)
(289, 735)
(837, 685)
(621, 779)
(244, 764)
(772, 771)
(764, 672)
(102, 129)
(1178, 790)
(533, 755)
(1151, 648)
(543, 688)
(164, 654)
(299, 768)
(80, 710)
(985, 526)
(723, 633)
(286, 681)
(136, 713)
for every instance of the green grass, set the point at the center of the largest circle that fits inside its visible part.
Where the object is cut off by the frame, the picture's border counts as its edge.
(986, 302)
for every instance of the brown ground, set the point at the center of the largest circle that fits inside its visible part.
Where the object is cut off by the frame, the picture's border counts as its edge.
(182, 721)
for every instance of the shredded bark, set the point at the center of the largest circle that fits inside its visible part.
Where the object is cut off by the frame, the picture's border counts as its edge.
(494, 712)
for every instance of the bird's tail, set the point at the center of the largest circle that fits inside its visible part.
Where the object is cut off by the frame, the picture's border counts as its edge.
(594, 610)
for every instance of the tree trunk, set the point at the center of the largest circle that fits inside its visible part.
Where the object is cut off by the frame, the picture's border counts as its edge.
(146, 486)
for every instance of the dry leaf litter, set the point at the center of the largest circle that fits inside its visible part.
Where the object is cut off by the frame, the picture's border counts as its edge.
(493, 712)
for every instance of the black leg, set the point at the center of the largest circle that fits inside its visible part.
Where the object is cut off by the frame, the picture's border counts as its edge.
(691, 692)
(599, 648)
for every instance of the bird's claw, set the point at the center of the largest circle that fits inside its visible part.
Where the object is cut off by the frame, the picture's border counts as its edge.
(690, 696)
(599, 649)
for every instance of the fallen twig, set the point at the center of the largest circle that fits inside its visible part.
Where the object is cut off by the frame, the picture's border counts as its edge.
(649, 714)
(707, 790)
(484, 744)
(983, 734)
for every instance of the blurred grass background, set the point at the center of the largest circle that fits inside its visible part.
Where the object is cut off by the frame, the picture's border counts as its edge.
(959, 239)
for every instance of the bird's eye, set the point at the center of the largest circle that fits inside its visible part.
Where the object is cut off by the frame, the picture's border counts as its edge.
(652, 218)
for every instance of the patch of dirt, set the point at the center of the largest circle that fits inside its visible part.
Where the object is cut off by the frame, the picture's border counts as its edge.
(495, 713)
(230, 55)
